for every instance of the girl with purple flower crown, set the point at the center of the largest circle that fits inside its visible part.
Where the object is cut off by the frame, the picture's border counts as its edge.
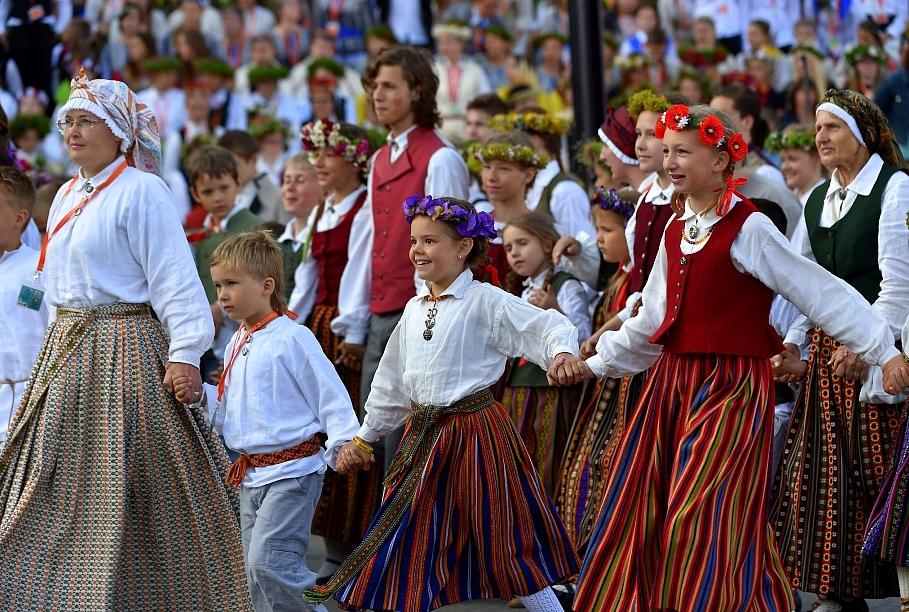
(465, 515)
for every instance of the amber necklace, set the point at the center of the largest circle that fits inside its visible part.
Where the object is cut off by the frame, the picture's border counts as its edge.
(700, 240)
(431, 314)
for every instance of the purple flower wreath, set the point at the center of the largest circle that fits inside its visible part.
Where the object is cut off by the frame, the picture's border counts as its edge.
(468, 223)
(611, 201)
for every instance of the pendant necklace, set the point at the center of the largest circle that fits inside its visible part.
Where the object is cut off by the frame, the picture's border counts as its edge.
(431, 315)
(88, 186)
(694, 230)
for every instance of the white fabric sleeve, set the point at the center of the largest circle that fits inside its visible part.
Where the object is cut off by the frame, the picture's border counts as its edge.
(893, 253)
(570, 207)
(447, 175)
(5, 6)
(352, 322)
(523, 330)
(632, 301)
(573, 303)
(585, 266)
(64, 15)
(387, 406)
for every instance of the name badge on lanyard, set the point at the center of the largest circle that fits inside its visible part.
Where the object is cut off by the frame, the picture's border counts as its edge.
(31, 295)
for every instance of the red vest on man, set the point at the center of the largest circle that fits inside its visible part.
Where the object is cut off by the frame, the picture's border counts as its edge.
(392, 270)
(330, 252)
(710, 306)
(649, 221)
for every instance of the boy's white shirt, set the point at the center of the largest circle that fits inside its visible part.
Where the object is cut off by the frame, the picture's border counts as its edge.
(281, 393)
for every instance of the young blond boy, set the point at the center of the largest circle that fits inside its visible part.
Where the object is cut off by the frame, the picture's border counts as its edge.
(276, 421)
(23, 312)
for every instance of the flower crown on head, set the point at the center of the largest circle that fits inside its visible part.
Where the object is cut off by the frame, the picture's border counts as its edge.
(646, 100)
(468, 223)
(711, 130)
(322, 134)
(611, 201)
(860, 52)
(529, 121)
(507, 152)
(790, 139)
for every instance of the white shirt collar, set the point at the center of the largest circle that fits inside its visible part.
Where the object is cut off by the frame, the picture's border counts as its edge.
(658, 195)
(707, 220)
(400, 141)
(863, 182)
(545, 175)
(455, 289)
(347, 202)
(99, 178)
(233, 211)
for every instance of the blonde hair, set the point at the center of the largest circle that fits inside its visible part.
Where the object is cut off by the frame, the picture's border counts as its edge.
(516, 138)
(300, 160)
(257, 254)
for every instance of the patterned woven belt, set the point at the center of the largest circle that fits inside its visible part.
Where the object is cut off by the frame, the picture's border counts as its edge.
(237, 471)
(120, 309)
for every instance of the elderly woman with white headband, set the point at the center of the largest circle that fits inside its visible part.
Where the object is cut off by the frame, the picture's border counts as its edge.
(111, 492)
(844, 426)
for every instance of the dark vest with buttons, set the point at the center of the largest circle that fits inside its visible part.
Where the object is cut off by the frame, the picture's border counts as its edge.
(329, 249)
(710, 306)
(848, 248)
(392, 270)
(650, 221)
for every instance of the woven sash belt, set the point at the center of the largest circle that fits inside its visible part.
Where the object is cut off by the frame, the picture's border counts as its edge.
(237, 471)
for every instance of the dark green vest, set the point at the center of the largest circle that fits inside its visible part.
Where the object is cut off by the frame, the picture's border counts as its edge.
(529, 374)
(848, 249)
(546, 196)
(242, 221)
(292, 260)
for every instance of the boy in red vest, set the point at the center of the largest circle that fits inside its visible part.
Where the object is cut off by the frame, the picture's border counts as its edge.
(379, 278)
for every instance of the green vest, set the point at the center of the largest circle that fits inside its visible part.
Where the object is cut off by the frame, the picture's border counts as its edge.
(546, 196)
(848, 249)
(530, 374)
(242, 221)
(292, 260)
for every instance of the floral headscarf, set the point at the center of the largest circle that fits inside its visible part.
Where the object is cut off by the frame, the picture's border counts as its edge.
(874, 131)
(129, 119)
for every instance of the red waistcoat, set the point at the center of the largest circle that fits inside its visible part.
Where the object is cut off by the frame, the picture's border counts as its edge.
(710, 306)
(329, 249)
(392, 270)
(649, 221)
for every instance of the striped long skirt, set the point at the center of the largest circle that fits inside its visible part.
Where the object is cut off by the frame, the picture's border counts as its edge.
(112, 494)
(592, 441)
(348, 502)
(684, 517)
(464, 517)
(887, 536)
(543, 416)
(836, 457)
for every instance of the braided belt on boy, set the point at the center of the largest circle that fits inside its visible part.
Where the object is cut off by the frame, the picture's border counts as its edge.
(237, 471)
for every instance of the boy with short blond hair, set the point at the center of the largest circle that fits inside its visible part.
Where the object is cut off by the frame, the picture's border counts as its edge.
(276, 422)
(23, 313)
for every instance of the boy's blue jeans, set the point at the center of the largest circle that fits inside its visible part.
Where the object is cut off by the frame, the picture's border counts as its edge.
(276, 520)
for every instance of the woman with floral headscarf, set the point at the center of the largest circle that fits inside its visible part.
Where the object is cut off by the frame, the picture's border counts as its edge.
(111, 492)
(844, 426)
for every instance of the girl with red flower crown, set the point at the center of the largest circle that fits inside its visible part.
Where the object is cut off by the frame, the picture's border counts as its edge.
(683, 520)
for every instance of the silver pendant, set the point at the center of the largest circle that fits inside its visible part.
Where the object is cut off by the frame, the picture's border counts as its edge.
(693, 231)
(245, 351)
(427, 334)
(89, 188)
(842, 193)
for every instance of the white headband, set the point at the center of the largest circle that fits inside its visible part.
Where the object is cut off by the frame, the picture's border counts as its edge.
(629, 161)
(836, 111)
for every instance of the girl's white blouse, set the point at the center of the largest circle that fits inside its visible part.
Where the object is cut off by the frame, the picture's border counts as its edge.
(475, 331)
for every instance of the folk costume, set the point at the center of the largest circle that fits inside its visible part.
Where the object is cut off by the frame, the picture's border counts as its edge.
(683, 523)
(111, 492)
(856, 232)
(465, 515)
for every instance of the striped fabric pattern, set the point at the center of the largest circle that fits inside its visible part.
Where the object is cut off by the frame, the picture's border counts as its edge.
(593, 440)
(348, 501)
(543, 417)
(683, 525)
(112, 494)
(887, 536)
(479, 525)
(836, 458)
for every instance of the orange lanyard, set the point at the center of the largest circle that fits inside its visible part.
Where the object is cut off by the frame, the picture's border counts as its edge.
(239, 345)
(75, 212)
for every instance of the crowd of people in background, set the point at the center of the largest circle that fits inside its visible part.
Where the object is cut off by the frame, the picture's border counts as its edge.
(744, 437)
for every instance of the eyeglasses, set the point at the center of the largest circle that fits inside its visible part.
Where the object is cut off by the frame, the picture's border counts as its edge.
(85, 123)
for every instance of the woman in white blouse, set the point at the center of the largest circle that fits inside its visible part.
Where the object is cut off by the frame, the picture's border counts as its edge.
(111, 492)
(841, 434)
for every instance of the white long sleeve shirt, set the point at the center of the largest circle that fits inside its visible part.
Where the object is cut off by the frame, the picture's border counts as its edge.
(569, 204)
(21, 330)
(572, 299)
(128, 246)
(446, 175)
(762, 251)
(892, 240)
(283, 391)
(476, 331)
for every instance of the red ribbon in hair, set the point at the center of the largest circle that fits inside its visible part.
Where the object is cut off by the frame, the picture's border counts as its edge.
(725, 202)
(493, 275)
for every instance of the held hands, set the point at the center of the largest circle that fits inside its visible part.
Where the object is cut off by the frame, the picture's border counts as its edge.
(351, 356)
(788, 366)
(589, 346)
(848, 365)
(567, 370)
(178, 371)
(566, 245)
(896, 375)
(352, 458)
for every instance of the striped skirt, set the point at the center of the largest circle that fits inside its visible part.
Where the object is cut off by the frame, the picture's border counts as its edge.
(464, 517)
(833, 467)
(348, 502)
(543, 417)
(592, 442)
(112, 494)
(683, 524)
(887, 536)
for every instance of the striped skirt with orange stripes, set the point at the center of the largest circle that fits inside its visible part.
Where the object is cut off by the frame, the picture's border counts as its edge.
(683, 525)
